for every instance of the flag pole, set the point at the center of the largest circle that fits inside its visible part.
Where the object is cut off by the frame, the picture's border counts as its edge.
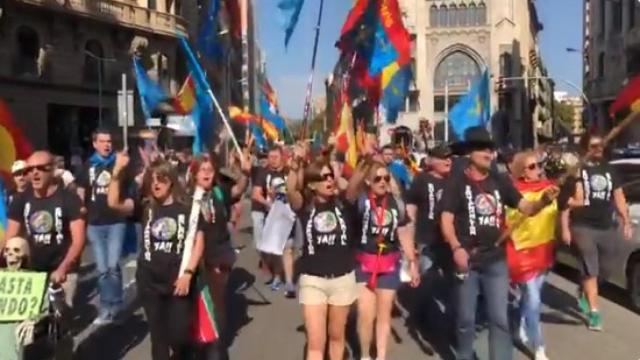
(307, 100)
(446, 111)
(236, 145)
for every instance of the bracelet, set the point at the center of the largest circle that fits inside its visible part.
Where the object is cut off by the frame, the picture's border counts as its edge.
(188, 271)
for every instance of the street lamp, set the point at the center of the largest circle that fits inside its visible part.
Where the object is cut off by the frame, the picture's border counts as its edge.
(583, 94)
(100, 60)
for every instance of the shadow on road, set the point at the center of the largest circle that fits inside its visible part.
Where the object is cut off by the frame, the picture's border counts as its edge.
(114, 341)
(238, 304)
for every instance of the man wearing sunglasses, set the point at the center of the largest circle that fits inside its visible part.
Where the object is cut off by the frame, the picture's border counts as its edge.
(50, 218)
(423, 200)
(473, 207)
(20, 181)
(593, 230)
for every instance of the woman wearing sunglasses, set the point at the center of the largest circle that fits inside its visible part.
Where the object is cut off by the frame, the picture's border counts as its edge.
(219, 255)
(327, 285)
(165, 293)
(385, 232)
(531, 248)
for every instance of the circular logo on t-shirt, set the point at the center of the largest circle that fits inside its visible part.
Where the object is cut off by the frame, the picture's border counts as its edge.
(103, 179)
(278, 185)
(41, 222)
(164, 229)
(598, 182)
(325, 222)
(485, 204)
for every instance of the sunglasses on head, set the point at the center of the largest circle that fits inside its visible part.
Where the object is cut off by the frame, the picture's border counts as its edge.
(40, 168)
(386, 178)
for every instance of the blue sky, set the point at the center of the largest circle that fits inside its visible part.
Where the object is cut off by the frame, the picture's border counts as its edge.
(289, 69)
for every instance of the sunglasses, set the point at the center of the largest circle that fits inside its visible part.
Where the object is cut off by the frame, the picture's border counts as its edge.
(41, 168)
(20, 173)
(595, 145)
(386, 178)
(327, 176)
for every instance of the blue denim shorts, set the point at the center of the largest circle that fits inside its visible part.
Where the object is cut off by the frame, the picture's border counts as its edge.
(389, 281)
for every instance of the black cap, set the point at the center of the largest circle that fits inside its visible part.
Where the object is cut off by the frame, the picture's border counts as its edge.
(440, 152)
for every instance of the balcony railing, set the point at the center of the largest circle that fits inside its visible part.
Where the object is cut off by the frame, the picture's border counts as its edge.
(120, 12)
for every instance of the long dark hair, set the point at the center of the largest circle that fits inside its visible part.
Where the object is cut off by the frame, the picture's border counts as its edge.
(313, 173)
(195, 165)
(163, 170)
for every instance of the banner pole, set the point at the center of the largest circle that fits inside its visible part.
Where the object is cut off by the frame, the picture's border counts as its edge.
(307, 101)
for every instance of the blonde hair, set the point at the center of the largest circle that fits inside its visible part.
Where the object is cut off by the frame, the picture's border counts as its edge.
(519, 164)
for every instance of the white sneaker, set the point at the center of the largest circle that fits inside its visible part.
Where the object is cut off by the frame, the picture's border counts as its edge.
(541, 354)
(522, 334)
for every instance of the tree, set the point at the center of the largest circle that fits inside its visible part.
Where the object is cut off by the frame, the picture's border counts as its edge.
(563, 112)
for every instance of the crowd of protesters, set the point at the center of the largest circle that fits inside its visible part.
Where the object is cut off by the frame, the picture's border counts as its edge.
(465, 226)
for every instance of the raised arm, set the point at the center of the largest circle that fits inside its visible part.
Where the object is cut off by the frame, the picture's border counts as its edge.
(357, 180)
(114, 200)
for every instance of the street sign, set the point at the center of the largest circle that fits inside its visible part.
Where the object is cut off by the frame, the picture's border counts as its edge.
(125, 112)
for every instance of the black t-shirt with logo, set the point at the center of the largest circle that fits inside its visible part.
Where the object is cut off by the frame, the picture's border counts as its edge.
(478, 209)
(369, 228)
(426, 193)
(216, 210)
(164, 234)
(598, 183)
(328, 233)
(95, 180)
(267, 179)
(45, 223)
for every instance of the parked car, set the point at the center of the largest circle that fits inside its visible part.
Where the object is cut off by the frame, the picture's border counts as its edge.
(627, 274)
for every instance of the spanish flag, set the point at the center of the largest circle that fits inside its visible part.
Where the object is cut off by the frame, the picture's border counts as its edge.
(13, 144)
(346, 138)
(628, 100)
(185, 99)
(236, 114)
(530, 249)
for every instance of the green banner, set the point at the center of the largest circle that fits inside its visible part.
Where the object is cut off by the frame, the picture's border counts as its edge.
(21, 294)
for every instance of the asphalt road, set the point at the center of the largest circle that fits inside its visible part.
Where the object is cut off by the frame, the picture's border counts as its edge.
(268, 326)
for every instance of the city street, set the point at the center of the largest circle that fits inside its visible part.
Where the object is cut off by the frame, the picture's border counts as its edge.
(268, 326)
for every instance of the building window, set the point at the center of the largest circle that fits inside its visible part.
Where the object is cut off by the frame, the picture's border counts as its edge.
(413, 101)
(462, 15)
(93, 66)
(433, 16)
(152, 5)
(601, 65)
(452, 13)
(603, 18)
(481, 14)
(28, 44)
(457, 70)
(506, 65)
(471, 14)
(163, 70)
(616, 16)
(439, 102)
(442, 16)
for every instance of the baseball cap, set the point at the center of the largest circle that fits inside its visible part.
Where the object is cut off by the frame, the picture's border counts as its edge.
(18, 165)
(440, 152)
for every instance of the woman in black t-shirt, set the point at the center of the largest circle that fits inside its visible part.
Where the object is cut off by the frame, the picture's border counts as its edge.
(384, 229)
(167, 295)
(327, 284)
(219, 255)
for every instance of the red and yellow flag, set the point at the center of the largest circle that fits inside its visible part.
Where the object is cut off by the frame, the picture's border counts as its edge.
(185, 100)
(13, 144)
(346, 138)
(531, 247)
(628, 100)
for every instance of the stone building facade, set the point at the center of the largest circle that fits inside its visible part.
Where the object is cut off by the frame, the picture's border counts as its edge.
(611, 56)
(61, 61)
(455, 40)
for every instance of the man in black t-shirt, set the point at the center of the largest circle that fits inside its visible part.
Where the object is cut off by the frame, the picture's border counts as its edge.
(106, 228)
(50, 218)
(593, 229)
(270, 186)
(472, 217)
